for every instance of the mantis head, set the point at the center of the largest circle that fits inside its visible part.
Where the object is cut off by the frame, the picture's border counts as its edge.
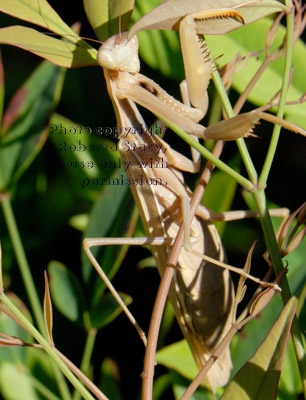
(120, 54)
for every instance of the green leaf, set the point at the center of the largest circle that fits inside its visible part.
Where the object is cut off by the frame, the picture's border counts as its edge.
(66, 291)
(161, 385)
(259, 378)
(296, 260)
(2, 89)
(296, 266)
(10, 375)
(103, 215)
(251, 38)
(108, 17)
(178, 357)
(38, 362)
(25, 121)
(290, 381)
(107, 309)
(48, 312)
(301, 310)
(158, 48)
(39, 12)
(10, 327)
(79, 222)
(59, 52)
(109, 379)
(113, 256)
(181, 384)
(86, 155)
(219, 195)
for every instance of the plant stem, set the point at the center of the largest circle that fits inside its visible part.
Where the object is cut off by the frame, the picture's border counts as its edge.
(209, 156)
(282, 102)
(240, 142)
(259, 194)
(277, 263)
(28, 281)
(1, 276)
(22, 262)
(88, 350)
(46, 346)
(261, 202)
(42, 389)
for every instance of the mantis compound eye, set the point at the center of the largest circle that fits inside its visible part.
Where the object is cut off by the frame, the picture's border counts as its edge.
(106, 59)
(120, 54)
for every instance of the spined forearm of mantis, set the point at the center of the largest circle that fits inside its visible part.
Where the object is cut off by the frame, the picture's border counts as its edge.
(123, 66)
(193, 18)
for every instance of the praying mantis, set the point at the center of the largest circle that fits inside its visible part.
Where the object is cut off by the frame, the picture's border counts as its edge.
(163, 207)
(163, 200)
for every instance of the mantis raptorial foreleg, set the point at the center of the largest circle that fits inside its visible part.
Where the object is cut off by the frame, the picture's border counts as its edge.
(194, 18)
(144, 91)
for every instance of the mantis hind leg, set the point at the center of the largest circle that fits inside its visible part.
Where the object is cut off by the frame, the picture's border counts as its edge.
(92, 242)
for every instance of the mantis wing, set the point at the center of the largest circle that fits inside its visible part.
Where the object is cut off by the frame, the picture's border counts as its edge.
(168, 14)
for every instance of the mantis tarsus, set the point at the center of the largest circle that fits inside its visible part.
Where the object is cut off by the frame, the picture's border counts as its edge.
(163, 204)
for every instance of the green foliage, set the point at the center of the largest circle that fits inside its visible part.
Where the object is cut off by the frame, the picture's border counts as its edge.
(265, 365)
(59, 52)
(9, 375)
(178, 357)
(159, 49)
(51, 186)
(252, 38)
(24, 129)
(106, 16)
(66, 292)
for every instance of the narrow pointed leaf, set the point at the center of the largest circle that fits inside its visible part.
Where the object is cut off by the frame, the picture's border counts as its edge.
(48, 313)
(38, 12)
(259, 378)
(10, 341)
(2, 88)
(25, 121)
(108, 17)
(59, 52)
